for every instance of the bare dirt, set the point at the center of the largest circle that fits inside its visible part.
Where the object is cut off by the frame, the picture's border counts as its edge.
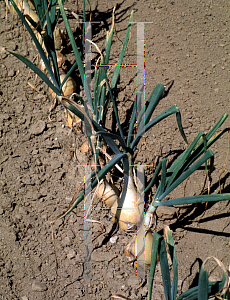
(186, 42)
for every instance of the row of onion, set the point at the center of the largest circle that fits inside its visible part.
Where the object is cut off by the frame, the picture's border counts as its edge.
(70, 86)
(128, 208)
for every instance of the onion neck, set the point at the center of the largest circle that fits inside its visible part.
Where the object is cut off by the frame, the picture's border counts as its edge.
(127, 163)
(128, 182)
(149, 214)
(128, 177)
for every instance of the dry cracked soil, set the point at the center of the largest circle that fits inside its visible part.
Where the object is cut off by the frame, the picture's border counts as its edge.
(187, 43)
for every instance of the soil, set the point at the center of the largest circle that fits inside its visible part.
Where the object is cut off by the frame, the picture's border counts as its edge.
(187, 43)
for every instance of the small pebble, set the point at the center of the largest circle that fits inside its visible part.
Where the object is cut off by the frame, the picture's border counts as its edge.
(8, 266)
(166, 149)
(38, 128)
(166, 212)
(4, 54)
(133, 281)
(70, 234)
(11, 73)
(17, 218)
(213, 278)
(113, 239)
(105, 295)
(38, 286)
(66, 241)
(12, 46)
(71, 254)
(22, 211)
(65, 274)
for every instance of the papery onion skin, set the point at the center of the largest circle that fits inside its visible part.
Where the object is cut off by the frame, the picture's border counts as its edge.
(130, 250)
(108, 193)
(129, 208)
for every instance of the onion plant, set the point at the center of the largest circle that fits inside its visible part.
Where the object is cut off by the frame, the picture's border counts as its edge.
(41, 24)
(140, 123)
(196, 154)
(189, 161)
(102, 93)
(44, 40)
(204, 290)
(126, 147)
(192, 158)
(186, 164)
(48, 14)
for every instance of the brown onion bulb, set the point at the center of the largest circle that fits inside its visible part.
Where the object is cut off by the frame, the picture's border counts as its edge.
(84, 147)
(68, 88)
(60, 61)
(59, 37)
(145, 240)
(107, 192)
(129, 208)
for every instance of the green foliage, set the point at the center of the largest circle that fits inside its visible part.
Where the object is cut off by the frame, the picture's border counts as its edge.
(205, 288)
(185, 165)
(145, 124)
(44, 40)
(196, 154)
(54, 80)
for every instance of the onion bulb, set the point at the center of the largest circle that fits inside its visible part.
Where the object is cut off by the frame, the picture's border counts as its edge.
(60, 61)
(68, 88)
(84, 147)
(42, 66)
(27, 8)
(71, 119)
(145, 243)
(59, 37)
(107, 192)
(28, 11)
(128, 209)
